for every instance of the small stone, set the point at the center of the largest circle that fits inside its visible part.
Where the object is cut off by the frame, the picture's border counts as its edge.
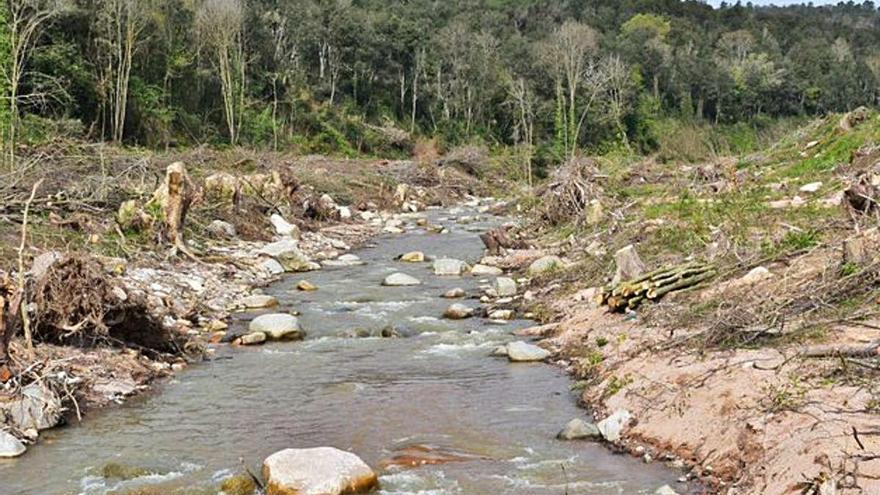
(485, 271)
(665, 490)
(278, 326)
(222, 230)
(216, 326)
(400, 280)
(810, 188)
(500, 351)
(449, 267)
(456, 293)
(578, 429)
(10, 446)
(271, 266)
(525, 352)
(504, 287)
(458, 312)
(612, 426)
(502, 314)
(544, 265)
(413, 257)
(253, 338)
(306, 286)
(259, 301)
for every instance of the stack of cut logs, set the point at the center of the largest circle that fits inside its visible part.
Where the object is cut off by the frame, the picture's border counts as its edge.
(654, 285)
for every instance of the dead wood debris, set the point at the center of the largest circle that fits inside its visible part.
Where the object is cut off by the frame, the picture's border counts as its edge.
(654, 285)
(570, 191)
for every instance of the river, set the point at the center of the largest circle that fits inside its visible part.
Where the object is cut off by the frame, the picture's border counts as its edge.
(377, 397)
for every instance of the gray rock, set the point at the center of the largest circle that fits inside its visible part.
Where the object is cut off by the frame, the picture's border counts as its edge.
(318, 471)
(500, 351)
(449, 267)
(287, 253)
(504, 287)
(253, 338)
(258, 301)
(578, 429)
(485, 271)
(413, 257)
(283, 227)
(521, 352)
(544, 265)
(400, 280)
(10, 446)
(456, 293)
(271, 266)
(629, 265)
(665, 490)
(344, 260)
(277, 326)
(612, 426)
(458, 312)
(222, 230)
(502, 314)
(37, 408)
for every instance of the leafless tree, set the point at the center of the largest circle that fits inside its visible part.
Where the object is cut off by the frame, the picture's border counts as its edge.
(285, 56)
(568, 53)
(122, 23)
(521, 97)
(221, 29)
(616, 78)
(27, 21)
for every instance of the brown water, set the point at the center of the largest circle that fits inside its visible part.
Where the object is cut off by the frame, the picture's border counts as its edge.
(372, 396)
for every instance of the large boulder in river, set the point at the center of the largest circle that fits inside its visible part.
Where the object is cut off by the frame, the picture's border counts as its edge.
(277, 326)
(318, 471)
(400, 280)
(546, 264)
(449, 267)
(522, 352)
(10, 446)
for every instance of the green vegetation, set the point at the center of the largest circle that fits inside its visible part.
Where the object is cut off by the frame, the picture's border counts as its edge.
(369, 77)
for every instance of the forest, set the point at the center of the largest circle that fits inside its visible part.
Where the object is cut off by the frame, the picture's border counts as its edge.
(356, 77)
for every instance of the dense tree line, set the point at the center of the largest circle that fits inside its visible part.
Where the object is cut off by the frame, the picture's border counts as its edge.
(352, 75)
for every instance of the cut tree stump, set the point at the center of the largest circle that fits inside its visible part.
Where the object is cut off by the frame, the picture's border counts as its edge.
(174, 199)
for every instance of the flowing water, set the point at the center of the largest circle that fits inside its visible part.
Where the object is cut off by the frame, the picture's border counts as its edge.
(377, 397)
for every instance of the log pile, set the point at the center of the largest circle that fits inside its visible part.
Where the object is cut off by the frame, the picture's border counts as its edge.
(654, 285)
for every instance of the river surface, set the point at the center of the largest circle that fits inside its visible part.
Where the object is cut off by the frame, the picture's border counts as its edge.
(376, 397)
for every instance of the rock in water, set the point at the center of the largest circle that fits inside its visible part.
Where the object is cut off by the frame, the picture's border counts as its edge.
(10, 446)
(253, 338)
(665, 490)
(522, 352)
(504, 287)
(456, 293)
(612, 426)
(629, 265)
(413, 257)
(306, 286)
(502, 314)
(578, 429)
(458, 312)
(259, 301)
(449, 267)
(278, 326)
(544, 265)
(287, 253)
(400, 280)
(485, 271)
(318, 471)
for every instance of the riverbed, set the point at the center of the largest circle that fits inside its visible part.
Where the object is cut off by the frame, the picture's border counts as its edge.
(432, 387)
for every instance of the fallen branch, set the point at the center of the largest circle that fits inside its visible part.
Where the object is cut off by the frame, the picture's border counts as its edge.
(844, 350)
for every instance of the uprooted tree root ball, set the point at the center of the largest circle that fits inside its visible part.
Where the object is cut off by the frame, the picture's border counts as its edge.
(571, 191)
(77, 303)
